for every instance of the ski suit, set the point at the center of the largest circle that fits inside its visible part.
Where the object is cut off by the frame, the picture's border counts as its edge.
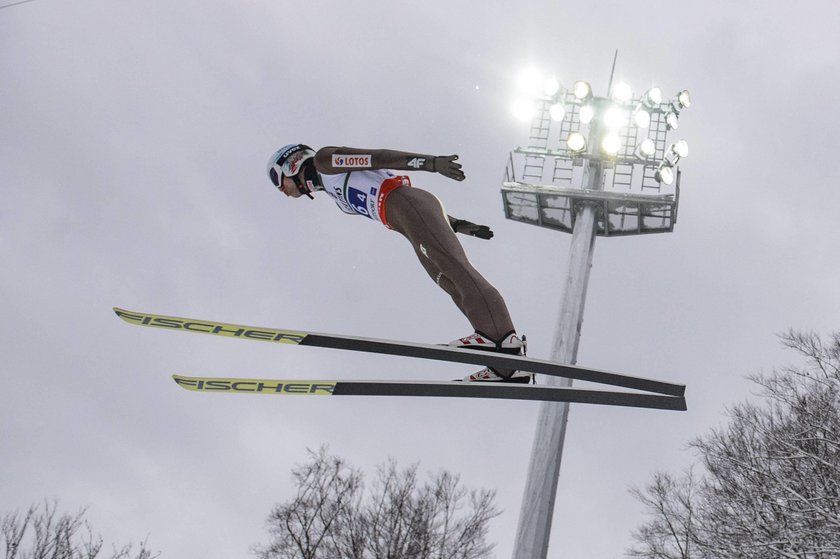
(363, 182)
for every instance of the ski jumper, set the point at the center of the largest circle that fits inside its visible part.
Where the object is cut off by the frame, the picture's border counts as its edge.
(381, 195)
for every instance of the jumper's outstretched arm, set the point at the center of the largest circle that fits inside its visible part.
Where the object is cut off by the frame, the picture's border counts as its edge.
(332, 160)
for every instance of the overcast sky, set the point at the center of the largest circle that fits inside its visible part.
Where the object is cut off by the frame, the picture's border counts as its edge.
(133, 142)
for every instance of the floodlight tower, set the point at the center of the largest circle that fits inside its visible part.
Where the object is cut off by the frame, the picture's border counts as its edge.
(594, 166)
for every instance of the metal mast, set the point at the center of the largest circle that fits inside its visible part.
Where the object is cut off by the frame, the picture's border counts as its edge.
(610, 174)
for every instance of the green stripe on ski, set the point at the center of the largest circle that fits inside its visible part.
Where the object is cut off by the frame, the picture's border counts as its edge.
(211, 327)
(256, 386)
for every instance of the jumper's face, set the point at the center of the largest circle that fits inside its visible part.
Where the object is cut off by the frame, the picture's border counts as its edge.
(289, 188)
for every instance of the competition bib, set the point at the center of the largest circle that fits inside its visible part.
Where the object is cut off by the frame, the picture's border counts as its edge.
(357, 192)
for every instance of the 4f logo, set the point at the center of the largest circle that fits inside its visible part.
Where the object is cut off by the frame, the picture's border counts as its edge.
(417, 162)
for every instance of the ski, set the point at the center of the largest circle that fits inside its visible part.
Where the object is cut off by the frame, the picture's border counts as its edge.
(407, 349)
(436, 389)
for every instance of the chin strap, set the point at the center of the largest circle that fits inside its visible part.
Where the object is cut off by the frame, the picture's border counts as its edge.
(302, 188)
(311, 181)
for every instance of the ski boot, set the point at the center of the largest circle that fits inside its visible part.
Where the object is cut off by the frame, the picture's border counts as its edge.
(510, 344)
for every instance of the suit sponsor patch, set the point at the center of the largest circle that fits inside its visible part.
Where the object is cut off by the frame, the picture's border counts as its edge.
(352, 161)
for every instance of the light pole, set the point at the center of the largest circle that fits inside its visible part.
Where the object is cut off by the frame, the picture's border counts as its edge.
(594, 166)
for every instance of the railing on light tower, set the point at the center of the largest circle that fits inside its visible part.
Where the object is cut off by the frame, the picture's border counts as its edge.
(593, 166)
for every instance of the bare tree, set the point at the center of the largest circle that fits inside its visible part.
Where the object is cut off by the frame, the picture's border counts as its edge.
(406, 520)
(771, 481)
(308, 526)
(42, 533)
(400, 518)
(670, 533)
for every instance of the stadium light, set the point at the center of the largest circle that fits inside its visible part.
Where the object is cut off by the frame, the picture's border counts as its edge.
(582, 90)
(611, 134)
(576, 142)
(684, 99)
(614, 117)
(641, 117)
(530, 82)
(611, 144)
(557, 112)
(646, 149)
(665, 172)
(622, 92)
(652, 97)
(679, 149)
(551, 86)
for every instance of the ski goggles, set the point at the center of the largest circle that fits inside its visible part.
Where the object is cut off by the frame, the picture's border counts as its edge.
(276, 174)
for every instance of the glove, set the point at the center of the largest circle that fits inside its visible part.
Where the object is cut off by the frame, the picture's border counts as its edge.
(446, 166)
(468, 228)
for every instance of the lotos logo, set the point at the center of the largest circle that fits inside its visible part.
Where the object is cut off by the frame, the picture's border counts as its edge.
(352, 161)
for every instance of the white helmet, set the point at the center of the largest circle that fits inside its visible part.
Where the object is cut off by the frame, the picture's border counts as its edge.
(287, 162)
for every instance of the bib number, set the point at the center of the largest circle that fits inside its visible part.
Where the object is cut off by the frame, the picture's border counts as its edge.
(358, 200)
